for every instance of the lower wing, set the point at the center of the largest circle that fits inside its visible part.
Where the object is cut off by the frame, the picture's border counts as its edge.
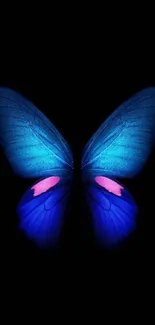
(41, 210)
(113, 210)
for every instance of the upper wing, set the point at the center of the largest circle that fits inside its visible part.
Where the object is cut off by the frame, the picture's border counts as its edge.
(123, 143)
(32, 144)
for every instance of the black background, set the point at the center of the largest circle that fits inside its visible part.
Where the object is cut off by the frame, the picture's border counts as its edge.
(77, 81)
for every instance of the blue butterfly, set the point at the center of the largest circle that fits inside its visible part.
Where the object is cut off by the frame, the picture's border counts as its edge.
(35, 149)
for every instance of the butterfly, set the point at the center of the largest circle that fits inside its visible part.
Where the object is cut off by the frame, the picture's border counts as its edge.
(36, 149)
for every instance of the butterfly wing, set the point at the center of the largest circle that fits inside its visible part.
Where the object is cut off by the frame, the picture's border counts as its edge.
(35, 148)
(32, 144)
(113, 210)
(41, 210)
(122, 144)
(119, 148)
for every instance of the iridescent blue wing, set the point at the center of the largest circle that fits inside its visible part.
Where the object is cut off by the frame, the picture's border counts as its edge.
(32, 144)
(120, 148)
(35, 148)
(41, 211)
(113, 210)
(124, 141)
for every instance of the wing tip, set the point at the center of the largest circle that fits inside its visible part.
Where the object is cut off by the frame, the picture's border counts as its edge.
(146, 91)
(4, 89)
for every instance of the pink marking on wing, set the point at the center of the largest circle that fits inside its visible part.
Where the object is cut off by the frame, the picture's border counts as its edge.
(45, 185)
(109, 185)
